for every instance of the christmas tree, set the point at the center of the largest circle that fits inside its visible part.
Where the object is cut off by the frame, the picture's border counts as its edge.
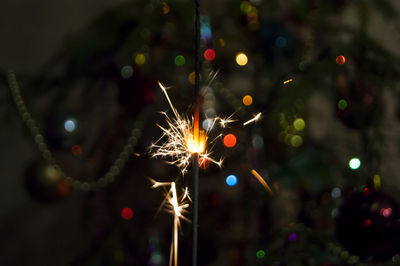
(299, 98)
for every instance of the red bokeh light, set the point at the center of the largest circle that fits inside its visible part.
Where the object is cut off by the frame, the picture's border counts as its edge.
(340, 60)
(127, 213)
(386, 212)
(204, 162)
(76, 150)
(367, 223)
(366, 191)
(63, 187)
(229, 140)
(209, 54)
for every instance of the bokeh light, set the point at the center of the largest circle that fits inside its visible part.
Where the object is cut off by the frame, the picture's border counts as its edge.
(229, 140)
(209, 54)
(70, 125)
(204, 162)
(299, 124)
(292, 237)
(260, 254)
(207, 124)
(354, 163)
(140, 59)
(231, 180)
(336, 192)
(296, 141)
(367, 223)
(342, 104)
(126, 213)
(340, 60)
(180, 60)
(126, 72)
(192, 77)
(165, 8)
(377, 181)
(221, 42)
(386, 212)
(76, 150)
(247, 100)
(241, 59)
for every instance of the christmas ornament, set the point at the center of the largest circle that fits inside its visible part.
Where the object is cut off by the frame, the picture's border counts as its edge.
(368, 225)
(45, 183)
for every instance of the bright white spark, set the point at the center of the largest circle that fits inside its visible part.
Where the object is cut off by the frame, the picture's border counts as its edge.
(255, 118)
(177, 142)
(177, 206)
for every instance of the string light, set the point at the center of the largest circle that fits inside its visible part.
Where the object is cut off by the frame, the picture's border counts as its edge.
(103, 181)
(354, 163)
(229, 140)
(342, 104)
(70, 125)
(340, 60)
(260, 254)
(299, 124)
(209, 54)
(140, 59)
(126, 213)
(179, 60)
(247, 100)
(241, 59)
(231, 180)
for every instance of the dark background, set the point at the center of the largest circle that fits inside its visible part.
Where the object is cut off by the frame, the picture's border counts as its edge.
(67, 56)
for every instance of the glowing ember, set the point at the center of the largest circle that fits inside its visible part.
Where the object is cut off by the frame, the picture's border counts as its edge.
(262, 181)
(255, 118)
(177, 206)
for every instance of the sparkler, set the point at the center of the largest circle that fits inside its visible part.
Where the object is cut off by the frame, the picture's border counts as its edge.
(255, 118)
(177, 206)
(287, 81)
(182, 138)
(262, 181)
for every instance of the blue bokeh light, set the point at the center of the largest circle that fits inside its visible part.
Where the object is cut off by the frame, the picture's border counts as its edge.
(70, 125)
(231, 180)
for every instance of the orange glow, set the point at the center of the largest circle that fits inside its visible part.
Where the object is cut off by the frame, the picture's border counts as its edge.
(229, 140)
(340, 60)
(196, 142)
(247, 100)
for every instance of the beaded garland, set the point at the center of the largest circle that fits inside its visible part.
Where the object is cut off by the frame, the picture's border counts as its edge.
(107, 178)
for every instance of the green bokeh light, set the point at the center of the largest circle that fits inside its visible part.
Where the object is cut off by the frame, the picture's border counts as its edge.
(342, 104)
(299, 124)
(354, 163)
(260, 254)
(180, 60)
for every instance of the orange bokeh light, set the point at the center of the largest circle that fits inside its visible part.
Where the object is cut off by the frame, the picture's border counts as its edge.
(229, 140)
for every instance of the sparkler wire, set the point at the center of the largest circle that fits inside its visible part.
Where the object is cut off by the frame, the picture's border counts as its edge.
(195, 163)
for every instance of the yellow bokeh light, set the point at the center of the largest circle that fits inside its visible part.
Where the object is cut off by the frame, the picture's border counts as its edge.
(299, 124)
(247, 100)
(377, 181)
(192, 77)
(140, 59)
(296, 141)
(241, 59)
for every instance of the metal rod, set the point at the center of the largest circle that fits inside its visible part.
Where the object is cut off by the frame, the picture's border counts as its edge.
(195, 206)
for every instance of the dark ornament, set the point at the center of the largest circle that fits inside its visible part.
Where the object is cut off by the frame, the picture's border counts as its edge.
(368, 225)
(45, 183)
